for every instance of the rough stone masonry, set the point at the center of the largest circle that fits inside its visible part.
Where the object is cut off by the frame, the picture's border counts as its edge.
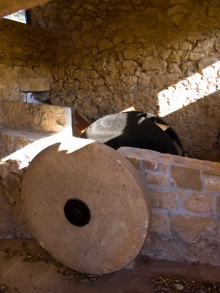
(101, 57)
(185, 194)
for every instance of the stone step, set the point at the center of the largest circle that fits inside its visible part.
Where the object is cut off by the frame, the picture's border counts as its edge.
(34, 117)
(27, 128)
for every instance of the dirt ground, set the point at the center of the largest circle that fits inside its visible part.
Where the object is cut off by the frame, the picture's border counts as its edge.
(26, 268)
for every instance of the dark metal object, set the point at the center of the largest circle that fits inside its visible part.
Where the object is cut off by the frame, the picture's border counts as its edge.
(77, 212)
(135, 129)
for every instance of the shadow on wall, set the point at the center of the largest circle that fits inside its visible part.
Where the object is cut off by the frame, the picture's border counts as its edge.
(199, 133)
(192, 107)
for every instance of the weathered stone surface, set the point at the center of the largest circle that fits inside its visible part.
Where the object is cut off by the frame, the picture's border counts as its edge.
(4, 169)
(144, 79)
(20, 142)
(196, 56)
(218, 204)
(34, 85)
(157, 178)
(176, 10)
(212, 183)
(164, 199)
(134, 162)
(207, 61)
(190, 228)
(38, 117)
(161, 223)
(130, 80)
(56, 86)
(199, 203)
(8, 141)
(175, 249)
(105, 44)
(165, 79)
(191, 93)
(117, 40)
(128, 229)
(152, 63)
(186, 178)
(131, 54)
(129, 64)
(74, 41)
(7, 228)
(152, 165)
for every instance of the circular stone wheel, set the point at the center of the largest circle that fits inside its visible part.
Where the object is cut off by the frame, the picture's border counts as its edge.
(87, 205)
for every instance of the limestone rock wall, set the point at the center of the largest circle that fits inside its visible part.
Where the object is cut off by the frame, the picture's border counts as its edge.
(25, 130)
(158, 56)
(22, 67)
(12, 222)
(101, 57)
(185, 195)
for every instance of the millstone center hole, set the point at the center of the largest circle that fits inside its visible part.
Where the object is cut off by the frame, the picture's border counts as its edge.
(77, 212)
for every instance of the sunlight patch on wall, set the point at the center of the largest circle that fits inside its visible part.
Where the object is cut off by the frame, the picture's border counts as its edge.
(189, 90)
(19, 16)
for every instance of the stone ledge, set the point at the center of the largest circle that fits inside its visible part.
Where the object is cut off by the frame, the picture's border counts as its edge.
(167, 159)
(34, 117)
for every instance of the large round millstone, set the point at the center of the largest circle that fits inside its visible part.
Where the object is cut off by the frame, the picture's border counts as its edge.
(87, 205)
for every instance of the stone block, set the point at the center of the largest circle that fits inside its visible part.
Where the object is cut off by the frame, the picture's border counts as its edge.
(161, 223)
(4, 169)
(176, 10)
(154, 165)
(117, 40)
(190, 228)
(218, 204)
(129, 64)
(186, 178)
(181, 193)
(8, 141)
(130, 80)
(165, 79)
(175, 56)
(164, 199)
(157, 178)
(105, 44)
(134, 162)
(207, 61)
(20, 142)
(35, 117)
(152, 63)
(212, 184)
(6, 226)
(38, 84)
(131, 54)
(6, 219)
(56, 86)
(144, 79)
(199, 203)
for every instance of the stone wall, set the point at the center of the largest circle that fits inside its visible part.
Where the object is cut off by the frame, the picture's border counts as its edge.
(21, 139)
(22, 67)
(101, 57)
(185, 194)
(158, 56)
(11, 217)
